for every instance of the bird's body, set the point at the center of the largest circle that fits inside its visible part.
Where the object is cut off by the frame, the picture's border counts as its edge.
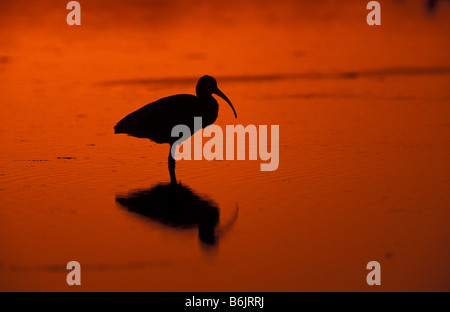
(156, 120)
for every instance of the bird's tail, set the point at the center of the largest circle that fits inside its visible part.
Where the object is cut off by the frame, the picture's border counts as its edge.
(118, 128)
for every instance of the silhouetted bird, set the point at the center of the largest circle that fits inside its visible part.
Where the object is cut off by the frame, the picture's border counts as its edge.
(156, 120)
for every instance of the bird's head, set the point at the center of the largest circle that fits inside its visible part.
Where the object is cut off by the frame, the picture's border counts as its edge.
(207, 86)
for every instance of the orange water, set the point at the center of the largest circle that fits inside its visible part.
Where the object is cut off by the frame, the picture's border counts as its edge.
(364, 145)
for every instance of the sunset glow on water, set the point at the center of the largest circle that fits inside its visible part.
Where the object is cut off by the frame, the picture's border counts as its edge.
(364, 122)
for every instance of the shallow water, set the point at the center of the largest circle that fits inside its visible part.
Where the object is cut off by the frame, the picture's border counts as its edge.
(364, 147)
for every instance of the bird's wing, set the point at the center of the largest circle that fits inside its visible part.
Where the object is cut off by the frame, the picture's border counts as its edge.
(156, 120)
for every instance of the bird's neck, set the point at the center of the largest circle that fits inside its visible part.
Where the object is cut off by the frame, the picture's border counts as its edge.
(209, 108)
(204, 96)
(206, 99)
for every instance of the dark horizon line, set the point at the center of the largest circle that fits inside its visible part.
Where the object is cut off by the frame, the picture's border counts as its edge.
(389, 71)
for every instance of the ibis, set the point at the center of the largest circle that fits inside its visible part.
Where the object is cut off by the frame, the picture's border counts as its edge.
(156, 120)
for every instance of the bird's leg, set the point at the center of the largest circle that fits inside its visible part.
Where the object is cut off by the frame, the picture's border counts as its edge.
(173, 179)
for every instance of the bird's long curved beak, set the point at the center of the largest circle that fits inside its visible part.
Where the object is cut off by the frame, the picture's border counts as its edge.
(223, 96)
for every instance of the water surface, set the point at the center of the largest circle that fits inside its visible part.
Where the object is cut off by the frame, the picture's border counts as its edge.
(364, 146)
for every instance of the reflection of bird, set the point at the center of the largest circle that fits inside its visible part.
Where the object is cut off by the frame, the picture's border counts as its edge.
(156, 120)
(178, 206)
